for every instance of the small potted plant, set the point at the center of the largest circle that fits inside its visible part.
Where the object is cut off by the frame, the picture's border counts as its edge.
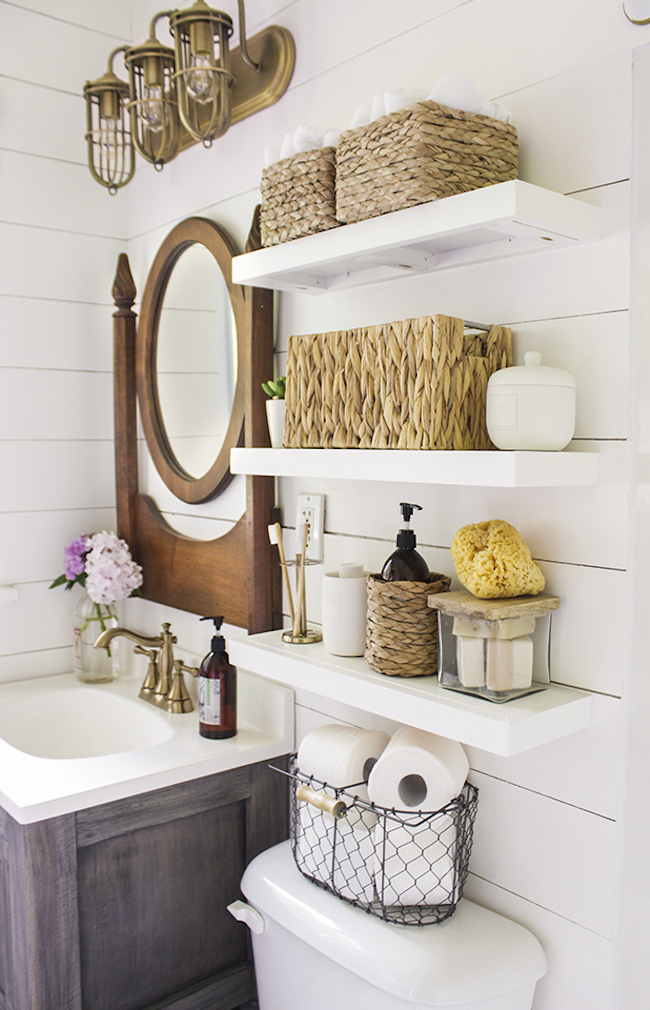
(275, 409)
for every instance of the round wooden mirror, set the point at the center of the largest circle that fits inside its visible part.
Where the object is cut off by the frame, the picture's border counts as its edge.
(192, 313)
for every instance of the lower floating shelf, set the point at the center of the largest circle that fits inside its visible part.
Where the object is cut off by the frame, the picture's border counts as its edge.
(507, 729)
(469, 467)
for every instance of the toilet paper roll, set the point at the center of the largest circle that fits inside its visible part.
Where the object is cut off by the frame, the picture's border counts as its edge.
(354, 851)
(418, 770)
(315, 841)
(340, 755)
(414, 863)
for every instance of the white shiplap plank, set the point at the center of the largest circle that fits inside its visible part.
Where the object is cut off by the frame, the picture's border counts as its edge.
(45, 193)
(45, 263)
(581, 964)
(39, 403)
(55, 334)
(112, 19)
(32, 543)
(556, 855)
(60, 55)
(56, 475)
(59, 114)
(36, 663)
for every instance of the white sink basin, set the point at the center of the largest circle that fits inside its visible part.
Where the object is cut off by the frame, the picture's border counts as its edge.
(65, 746)
(54, 718)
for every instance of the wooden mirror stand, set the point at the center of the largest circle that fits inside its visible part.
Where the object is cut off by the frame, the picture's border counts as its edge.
(237, 574)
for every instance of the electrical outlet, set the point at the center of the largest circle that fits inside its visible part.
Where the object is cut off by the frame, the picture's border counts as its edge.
(311, 509)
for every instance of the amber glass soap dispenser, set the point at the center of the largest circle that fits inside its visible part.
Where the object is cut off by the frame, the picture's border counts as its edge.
(217, 690)
(405, 564)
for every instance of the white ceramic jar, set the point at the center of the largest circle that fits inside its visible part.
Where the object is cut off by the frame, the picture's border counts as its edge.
(344, 611)
(531, 406)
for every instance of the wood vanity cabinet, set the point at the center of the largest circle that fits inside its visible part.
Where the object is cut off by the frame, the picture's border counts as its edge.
(123, 906)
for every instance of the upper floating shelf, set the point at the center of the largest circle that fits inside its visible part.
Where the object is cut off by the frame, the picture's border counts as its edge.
(470, 467)
(508, 219)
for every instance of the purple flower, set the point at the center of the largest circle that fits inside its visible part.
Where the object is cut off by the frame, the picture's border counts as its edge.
(75, 556)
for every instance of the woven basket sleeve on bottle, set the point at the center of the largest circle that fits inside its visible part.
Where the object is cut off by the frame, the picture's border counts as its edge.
(420, 153)
(402, 630)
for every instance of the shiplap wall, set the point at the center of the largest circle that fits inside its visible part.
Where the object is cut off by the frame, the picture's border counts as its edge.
(59, 239)
(550, 832)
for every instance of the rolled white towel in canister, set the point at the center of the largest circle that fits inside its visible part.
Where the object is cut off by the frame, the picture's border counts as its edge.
(418, 770)
(414, 861)
(340, 755)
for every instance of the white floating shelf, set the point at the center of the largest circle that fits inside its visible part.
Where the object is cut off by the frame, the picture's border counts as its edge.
(470, 468)
(508, 219)
(506, 729)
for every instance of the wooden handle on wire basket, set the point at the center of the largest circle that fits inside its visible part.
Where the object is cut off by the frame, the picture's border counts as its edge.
(329, 804)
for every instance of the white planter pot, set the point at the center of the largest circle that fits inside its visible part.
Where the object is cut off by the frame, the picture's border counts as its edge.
(275, 410)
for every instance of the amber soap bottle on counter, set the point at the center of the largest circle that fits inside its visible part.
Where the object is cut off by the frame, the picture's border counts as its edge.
(406, 564)
(217, 690)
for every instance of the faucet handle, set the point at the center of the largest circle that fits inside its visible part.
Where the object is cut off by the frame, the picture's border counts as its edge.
(151, 679)
(178, 699)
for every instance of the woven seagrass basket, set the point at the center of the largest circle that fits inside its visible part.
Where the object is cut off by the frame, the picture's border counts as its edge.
(415, 384)
(401, 637)
(298, 196)
(421, 153)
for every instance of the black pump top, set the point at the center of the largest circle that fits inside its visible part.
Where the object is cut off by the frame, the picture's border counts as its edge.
(218, 642)
(406, 537)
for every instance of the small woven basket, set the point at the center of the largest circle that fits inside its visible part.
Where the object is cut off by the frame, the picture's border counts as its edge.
(421, 153)
(414, 384)
(298, 196)
(401, 636)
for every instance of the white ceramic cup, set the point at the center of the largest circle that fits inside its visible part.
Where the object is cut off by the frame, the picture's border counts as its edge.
(344, 611)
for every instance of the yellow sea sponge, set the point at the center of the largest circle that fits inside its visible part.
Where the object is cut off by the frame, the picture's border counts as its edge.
(493, 561)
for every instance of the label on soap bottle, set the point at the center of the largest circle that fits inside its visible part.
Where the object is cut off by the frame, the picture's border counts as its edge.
(210, 701)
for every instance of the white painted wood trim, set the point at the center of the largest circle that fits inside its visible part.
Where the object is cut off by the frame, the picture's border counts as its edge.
(506, 729)
(507, 219)
(469, 468)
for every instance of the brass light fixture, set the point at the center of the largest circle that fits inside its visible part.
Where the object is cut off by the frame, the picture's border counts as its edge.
(178, 97)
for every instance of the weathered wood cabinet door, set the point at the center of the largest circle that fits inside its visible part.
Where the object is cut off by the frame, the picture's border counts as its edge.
(123, 906)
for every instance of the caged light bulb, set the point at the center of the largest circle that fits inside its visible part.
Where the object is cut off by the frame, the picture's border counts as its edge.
(200, 79)
(153, 109)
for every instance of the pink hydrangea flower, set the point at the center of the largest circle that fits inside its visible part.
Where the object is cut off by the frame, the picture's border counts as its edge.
(111, 573)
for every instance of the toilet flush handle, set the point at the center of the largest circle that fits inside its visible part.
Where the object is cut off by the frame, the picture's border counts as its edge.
(244, 912)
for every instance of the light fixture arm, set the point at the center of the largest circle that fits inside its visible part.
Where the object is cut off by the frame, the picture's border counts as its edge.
(242, 39)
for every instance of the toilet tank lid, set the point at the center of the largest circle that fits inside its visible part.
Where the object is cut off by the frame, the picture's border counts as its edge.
(474, 955)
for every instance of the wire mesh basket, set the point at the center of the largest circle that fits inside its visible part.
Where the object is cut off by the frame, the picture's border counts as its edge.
(407, 867)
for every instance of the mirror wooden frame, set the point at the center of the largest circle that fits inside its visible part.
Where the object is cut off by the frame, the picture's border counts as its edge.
(236, 575)
(192, 231)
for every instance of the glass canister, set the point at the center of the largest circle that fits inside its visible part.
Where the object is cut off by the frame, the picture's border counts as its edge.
(495, 649)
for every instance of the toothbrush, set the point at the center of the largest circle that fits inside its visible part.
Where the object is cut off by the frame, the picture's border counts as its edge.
(300, 588)
(275, 537)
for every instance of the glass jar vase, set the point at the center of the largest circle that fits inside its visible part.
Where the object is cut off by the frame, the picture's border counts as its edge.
(94, 666)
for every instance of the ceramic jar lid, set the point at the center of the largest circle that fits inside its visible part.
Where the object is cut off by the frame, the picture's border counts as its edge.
(532, 373)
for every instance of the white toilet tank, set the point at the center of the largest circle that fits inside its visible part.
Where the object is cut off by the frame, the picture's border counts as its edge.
(313, 951)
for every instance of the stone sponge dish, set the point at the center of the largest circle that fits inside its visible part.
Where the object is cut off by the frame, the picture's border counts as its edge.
(493, 561)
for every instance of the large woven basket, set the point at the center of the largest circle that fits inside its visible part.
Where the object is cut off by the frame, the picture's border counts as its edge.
(298, 196)
(415, 384)
(423, 152)
(401, 638)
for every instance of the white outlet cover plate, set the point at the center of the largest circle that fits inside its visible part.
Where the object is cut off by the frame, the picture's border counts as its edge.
(311, 508)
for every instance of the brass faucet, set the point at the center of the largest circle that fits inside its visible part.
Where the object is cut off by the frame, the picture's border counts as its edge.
(163, 685)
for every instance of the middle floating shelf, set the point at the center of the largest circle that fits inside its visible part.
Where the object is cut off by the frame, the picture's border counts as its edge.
(469, 467)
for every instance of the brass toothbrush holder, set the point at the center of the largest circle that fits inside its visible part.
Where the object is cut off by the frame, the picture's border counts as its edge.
(300, 634)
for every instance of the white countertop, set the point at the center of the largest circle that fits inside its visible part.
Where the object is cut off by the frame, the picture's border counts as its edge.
(35, 788)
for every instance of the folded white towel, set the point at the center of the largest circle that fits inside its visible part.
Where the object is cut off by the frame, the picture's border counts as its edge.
(287, 148)
(399, 98)
(331, 138)
(457, 92)
(378, 107)
(361, 117)
(271, 155)
(308, 138)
